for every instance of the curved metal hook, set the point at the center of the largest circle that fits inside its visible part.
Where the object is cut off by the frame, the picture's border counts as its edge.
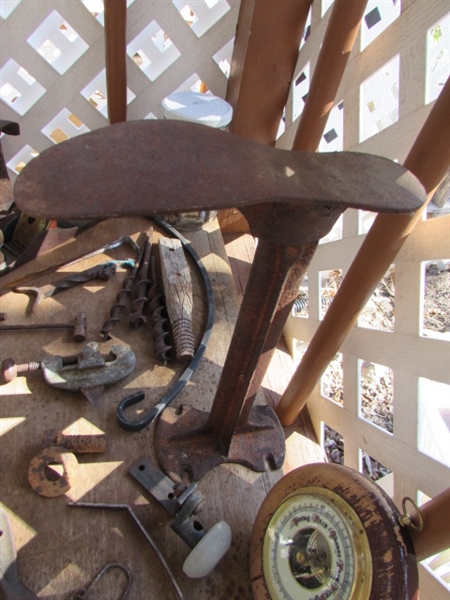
(138, 424)
(134, 424)
(82, 594)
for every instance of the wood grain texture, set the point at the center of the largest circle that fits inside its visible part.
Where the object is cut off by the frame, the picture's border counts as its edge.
(60, 549)
(265, 54)
(177, 286)
(115, 59)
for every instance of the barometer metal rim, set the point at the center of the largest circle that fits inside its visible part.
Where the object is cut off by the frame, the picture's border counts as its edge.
(360, 547)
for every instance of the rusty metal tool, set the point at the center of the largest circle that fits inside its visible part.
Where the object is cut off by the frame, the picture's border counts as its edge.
(290, 199)
(27, 238)
(27, 230)
(159, 321)
(171, 394)
(87, 372)
(184, 503)
(140, 300)
(10, 584)
(126, 507)
(60, 449)
(20, 279)
(10, 369)
(81, 443)
(103, 271)
(91, 372)
(122, 297)
(47, 482)
(78, 326)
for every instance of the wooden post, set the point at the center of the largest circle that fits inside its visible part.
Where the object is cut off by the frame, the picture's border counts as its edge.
(435, 535)
(116, 56)
(265, 53)
(428, 159)
(338, 42)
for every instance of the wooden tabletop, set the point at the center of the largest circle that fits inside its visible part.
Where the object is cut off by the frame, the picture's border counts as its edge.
(61, 549)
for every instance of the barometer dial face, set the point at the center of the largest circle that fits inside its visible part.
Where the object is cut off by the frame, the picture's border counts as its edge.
(316, 547)
(326, 532)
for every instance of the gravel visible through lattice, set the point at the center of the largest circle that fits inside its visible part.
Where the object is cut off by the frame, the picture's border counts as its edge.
(376, 381)
(437, 298)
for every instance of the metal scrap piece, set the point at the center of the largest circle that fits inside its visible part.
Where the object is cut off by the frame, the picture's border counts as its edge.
(91, 370)
(37, 471)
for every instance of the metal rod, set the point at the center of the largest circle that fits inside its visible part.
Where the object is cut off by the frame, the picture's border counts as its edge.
(23, 327)
(428, 160)
(143, 531)
(78, 326)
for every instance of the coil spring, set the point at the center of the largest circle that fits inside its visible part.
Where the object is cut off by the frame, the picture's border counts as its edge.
(159, 320)
(302, 302)
(299, 304)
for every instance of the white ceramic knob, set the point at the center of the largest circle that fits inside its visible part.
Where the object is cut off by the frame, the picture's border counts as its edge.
(209, 551)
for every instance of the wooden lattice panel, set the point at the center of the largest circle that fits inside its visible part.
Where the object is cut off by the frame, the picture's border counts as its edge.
(384, 98)
(52, 74)
(58, 90)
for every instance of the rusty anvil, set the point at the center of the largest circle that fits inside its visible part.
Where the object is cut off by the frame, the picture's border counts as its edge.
(290, 199)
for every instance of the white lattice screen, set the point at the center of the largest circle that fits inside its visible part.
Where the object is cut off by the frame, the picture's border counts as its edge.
(52, 74)
(383, 101)
(52, 81)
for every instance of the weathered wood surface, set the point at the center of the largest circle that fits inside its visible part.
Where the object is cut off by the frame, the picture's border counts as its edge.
(60, 549)
(177, 285)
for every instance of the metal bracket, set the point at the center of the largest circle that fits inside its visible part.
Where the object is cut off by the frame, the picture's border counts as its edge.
(181, 503)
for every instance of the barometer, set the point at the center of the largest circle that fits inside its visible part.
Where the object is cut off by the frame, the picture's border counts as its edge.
(326, 532)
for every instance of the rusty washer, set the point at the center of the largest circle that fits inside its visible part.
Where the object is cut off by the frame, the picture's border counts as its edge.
(52, 455)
